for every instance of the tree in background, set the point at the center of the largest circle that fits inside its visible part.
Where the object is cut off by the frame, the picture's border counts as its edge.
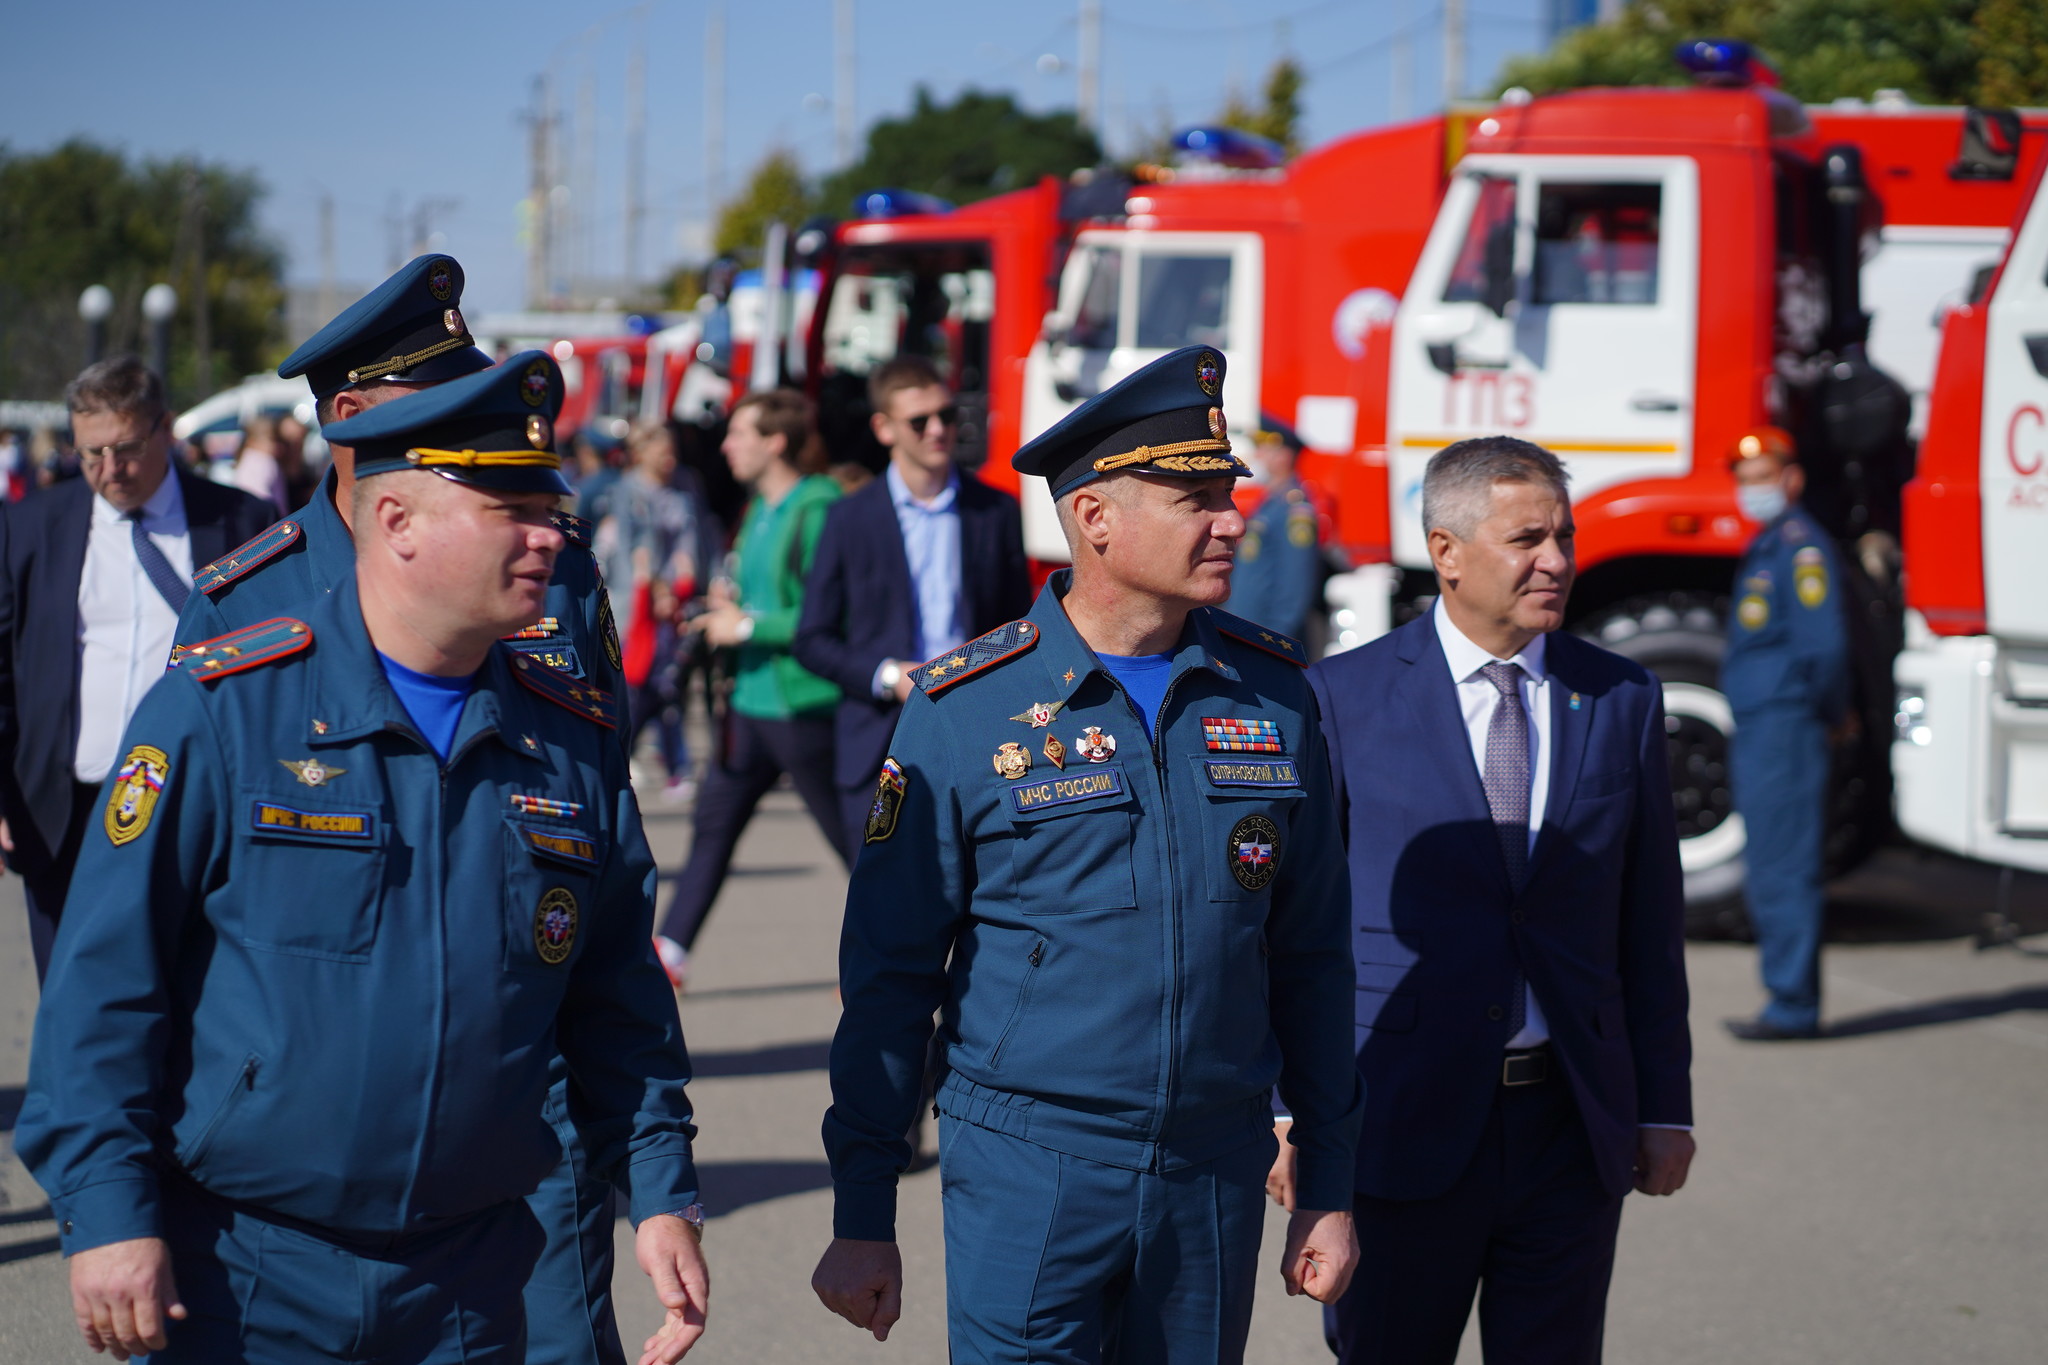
(775, 192)
(1280, 117)
(82, 214)
(1937, 51)
(979, 145)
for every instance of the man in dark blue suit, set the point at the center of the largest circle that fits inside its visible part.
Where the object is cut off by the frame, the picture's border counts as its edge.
(918, 562)
(92, 576)
(1515, 887)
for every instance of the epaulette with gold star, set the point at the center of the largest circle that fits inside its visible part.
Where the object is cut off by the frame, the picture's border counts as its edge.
(575, 528)
(1258, 637)
(565, 690)
(978, 655)
(244, 558)
(240, 650)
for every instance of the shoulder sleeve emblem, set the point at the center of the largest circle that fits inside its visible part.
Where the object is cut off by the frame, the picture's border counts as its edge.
(890, 788)
(575, 528)
(240, 650)
(1258, 637)
(132, 793)
(245, 559)
(1810, 577)
(564, 689)
(978, 655)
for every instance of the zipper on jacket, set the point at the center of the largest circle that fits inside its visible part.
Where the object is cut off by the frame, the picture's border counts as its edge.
(245, 1081)
(995, 1055)
(1174, 911)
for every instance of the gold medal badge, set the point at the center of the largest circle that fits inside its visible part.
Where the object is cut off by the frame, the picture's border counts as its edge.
(1011, 761)
(133, 793)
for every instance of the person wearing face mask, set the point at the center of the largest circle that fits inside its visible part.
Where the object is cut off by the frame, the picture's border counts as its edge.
(1279, 576)
(1786, 677)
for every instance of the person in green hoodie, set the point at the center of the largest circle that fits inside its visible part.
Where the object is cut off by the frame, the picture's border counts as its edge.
(780, 717)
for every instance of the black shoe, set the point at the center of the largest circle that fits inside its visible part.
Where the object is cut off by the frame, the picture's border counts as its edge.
(1761, 1030)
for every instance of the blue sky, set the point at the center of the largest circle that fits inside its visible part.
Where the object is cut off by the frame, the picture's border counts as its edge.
(393, 107)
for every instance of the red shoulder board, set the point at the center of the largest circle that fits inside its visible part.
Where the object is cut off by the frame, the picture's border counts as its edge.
(240, 650)
(565, 690)
(1258, 637)
(978, 655)
(244, 558)
(575, 528)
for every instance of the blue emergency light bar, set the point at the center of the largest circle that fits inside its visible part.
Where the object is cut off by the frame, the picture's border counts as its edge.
(1232, 147)
(897, 204)
(1725, 61)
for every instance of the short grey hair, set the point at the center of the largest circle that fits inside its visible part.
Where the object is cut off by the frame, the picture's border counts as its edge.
(121, 385)
(1458, 485)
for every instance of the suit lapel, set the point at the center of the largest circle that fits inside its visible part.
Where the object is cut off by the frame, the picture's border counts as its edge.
(1571, 720)
(208, 537)
(1431, 699)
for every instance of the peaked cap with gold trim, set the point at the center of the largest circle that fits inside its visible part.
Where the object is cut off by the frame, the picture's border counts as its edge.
(494, 429)
(409, 329)
(1166, 418)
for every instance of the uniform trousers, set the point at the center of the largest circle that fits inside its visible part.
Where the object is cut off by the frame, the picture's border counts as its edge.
(265, 1291)
(46, 890)
(1528, 1226)
(755, 754)
(1057, 1260)
(1779, 757)
(569, 1298)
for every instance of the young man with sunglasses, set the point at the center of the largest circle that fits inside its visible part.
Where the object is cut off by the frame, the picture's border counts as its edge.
(92, 576)
(876, 605)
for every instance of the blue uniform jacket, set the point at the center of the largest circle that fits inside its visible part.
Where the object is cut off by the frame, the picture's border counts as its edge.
(1788, 641)
(333, 993)
(1279, 571)
(1126, 954)
(282, 571)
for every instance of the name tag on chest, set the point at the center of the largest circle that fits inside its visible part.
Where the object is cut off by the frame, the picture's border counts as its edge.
(326, 826)
(1058, 791)
(1271, 772)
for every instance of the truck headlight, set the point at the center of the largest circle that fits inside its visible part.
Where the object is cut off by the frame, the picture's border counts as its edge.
(1909, 719)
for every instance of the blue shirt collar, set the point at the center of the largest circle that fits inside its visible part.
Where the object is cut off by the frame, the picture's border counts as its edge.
(900, 495)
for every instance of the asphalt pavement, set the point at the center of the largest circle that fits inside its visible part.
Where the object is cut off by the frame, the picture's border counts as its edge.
(1876, 1196)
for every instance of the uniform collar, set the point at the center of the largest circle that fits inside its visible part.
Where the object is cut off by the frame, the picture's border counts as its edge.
(349, 696)
(1069, 661)
(328, 539)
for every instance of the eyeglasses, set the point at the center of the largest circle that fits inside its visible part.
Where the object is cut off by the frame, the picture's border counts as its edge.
(948, 417)
(124, 452)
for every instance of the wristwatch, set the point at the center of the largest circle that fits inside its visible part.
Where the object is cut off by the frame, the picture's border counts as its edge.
(889, 675)
(693, 1214)
(745, 630)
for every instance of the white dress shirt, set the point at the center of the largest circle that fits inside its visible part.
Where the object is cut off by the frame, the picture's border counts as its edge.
(125, 626)
(1476, 699)
(931, 544)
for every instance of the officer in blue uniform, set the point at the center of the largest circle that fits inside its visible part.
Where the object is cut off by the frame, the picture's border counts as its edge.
(1786, 677)
(406, 335)
(1103, 852)
(360, 874)
(1279, 574)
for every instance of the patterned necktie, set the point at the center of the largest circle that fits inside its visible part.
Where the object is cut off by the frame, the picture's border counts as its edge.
(1507, 795)
(169, 583)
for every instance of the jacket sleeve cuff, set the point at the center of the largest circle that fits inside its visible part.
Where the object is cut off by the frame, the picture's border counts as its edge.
(1322, 1182)
(110, 1211)
(660, 1184)
(864, 1213)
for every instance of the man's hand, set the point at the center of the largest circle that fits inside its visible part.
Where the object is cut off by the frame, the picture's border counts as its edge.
(6, 844)
(723, 625)
(669, 1251)
(862, 1282)
(1321, 1253)
(903, 684)
(122, 1294)
(1280, 1180)
(1663, 1156)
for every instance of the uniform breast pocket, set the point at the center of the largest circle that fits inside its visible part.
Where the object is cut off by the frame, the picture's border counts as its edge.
(1247, 821)
(551, 876)
(314, 869)
(1071, 844)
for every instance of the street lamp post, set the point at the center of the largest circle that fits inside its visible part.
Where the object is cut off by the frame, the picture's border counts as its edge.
(94, 305)
(159, 305)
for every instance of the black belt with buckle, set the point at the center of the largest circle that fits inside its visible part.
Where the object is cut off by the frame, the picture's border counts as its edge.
(1528, 1067)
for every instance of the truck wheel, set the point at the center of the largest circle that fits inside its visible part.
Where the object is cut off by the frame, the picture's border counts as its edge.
(1678, 636)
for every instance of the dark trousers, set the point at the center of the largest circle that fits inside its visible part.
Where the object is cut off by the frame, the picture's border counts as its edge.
(755, 754)
(1780, 767)
(1528, 1226)
(47, 888)
(569, 1319)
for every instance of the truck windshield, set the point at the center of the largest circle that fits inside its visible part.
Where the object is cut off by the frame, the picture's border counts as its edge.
(1597, 244)
(1183, 301)
(1485, 269)
(1095, 321)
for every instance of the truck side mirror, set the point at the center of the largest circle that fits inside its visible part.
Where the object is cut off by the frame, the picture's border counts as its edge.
(1054, 330)
(1990, 145)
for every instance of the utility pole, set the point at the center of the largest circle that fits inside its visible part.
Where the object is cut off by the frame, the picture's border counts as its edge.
(1454, 51)
(636, 157)
(327, 288)
(843, 112)
(539, 126)
(583, 188)
(714, 114)
(1088, 95)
